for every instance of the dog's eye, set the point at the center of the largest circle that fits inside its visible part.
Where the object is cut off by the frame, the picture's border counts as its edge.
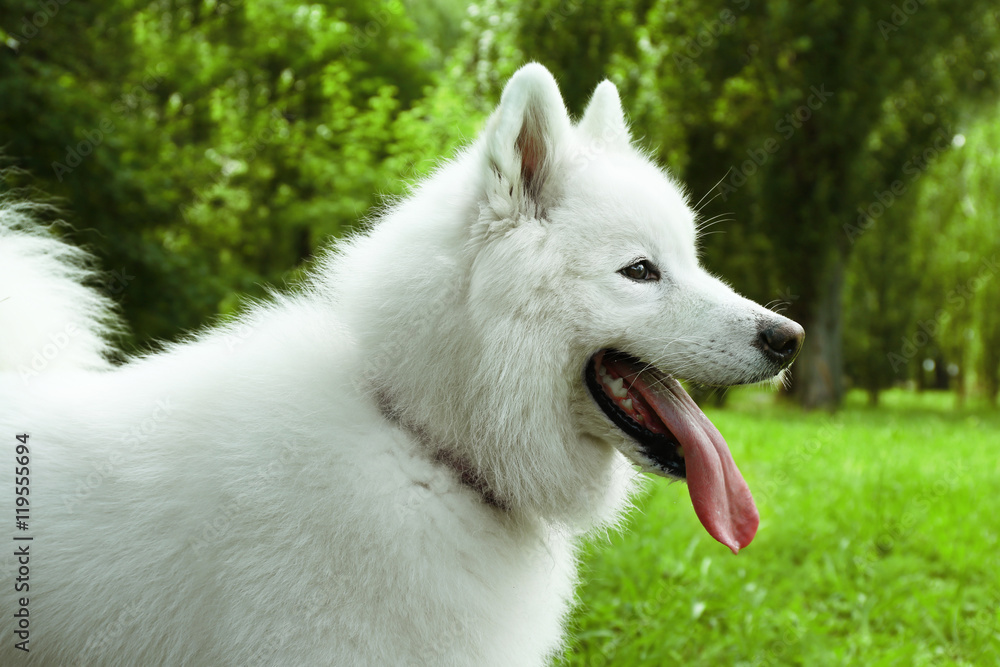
(643, 270)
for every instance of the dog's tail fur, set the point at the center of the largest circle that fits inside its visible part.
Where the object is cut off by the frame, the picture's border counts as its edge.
(52, 315)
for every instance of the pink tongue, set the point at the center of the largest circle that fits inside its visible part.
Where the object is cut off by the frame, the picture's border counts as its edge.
(720, 496)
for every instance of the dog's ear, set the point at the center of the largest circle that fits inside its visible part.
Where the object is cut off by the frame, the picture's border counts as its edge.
(604, 119)
(524, 133)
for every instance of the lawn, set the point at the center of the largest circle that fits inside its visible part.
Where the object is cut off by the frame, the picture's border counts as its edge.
(877, 546)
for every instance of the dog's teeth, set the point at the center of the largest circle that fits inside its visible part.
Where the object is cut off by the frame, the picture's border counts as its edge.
(627, 404)
(602, 370)
(680, 451)
(617, 388)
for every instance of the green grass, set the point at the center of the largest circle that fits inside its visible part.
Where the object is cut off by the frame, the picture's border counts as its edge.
(878, 545)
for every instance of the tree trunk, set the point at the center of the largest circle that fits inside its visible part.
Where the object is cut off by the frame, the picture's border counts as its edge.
(873, 397)
(818, 374)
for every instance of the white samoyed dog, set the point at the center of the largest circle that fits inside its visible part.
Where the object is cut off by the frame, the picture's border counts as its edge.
(390, 465)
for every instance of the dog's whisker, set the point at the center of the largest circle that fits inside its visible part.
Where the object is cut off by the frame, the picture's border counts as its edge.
(697, 207)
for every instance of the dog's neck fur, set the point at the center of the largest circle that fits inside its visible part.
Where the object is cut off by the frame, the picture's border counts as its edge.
(442, 455)
(491, 423)
(471, 477)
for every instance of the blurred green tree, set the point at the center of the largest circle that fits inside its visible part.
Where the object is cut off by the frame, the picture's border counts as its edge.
(818, 123)
(208, 147)
(957, 256)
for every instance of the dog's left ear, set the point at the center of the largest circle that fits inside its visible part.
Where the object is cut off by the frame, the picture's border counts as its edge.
(524, 133)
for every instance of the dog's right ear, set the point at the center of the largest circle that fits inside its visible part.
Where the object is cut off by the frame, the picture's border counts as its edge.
(523, 135)
(604, 119)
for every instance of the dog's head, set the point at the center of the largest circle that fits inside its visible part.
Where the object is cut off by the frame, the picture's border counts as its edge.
(587, 227)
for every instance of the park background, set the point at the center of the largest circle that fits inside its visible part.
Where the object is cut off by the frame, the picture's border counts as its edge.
(845, 155)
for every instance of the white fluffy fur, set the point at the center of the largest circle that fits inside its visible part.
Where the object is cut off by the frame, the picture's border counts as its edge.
(272, 492)
(51, 318)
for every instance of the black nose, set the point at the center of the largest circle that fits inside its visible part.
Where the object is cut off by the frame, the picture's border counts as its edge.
(781, 341)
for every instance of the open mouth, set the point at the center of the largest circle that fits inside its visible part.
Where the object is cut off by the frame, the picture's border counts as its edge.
(612, 379)
(669, 435)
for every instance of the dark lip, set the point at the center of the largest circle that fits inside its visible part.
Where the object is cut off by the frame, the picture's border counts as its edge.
(660, 449)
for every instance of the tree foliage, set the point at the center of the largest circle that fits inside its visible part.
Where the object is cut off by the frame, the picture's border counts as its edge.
(956, 323)
(206, 148)
(815, 114)
(209, 147)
